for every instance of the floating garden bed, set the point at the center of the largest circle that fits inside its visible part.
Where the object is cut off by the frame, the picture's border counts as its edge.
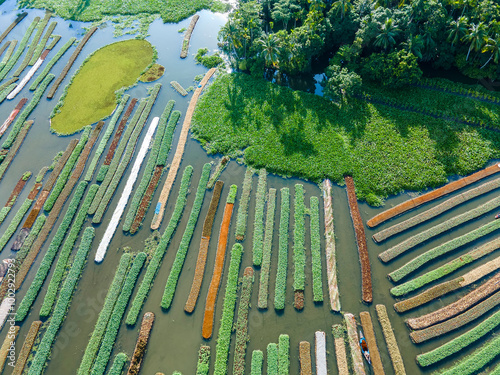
(19, 18)
(299, 254)
(305, 358)
(282, 269)
(4, 350)
(267, 248)
(43, 42)
(257, 362)
(258, 229)
(371, 340)
(177, 86)
(152, 74)
(340, 352)
(14, 195)
(12, 116)
(272, 359)
(221, 165)
(28, 76)
(118, 364)
(353, 339)
(203, 251)
(25, 351)
(320, 349)
(70, 63)
(359, 230)
(317, 274)
(11, 229)
(390, 340)
(155, 262)
(187, 36)
(241, 220)
(15, 148)
(242, 336)
(180, 256)
(203, 365)
(12, 45)
(283, 354)
(142, 342)
(226, 322)
(220, 256)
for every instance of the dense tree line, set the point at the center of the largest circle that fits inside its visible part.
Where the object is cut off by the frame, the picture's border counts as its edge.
(383, 40)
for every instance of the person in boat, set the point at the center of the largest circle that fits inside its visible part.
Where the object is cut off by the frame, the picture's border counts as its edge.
(497, 216)
(364, 347)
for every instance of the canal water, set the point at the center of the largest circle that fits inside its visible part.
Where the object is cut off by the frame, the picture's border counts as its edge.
(176, 336)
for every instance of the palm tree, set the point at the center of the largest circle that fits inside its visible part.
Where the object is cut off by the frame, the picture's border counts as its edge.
(388, 34)
(415, 45)
(493, 46)
(458, 29)
(270, 50)
(342, 6)
(476, 37)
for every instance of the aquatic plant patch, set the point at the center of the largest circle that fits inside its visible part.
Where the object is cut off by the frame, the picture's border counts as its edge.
(177, 86)
(187, 36)
(241, 219)
(155, 262)
(295, 133)
(180, 256)
(152, 74)
(91, 94)
(282, 268)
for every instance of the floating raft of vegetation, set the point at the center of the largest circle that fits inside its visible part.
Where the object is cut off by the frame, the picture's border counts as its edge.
(177, 86)
(272, 359)
(366, 322)
(22, 357)
(218, 170)
(203, 365)
(320, 349)
(179, 152)
(390, 340)
(14, 195)
(15, 148)
(142, 342)
(187, 36)
(51, 63)
(43, 42)
(299, 254)
(258, 228)
(305, 358)
(267, 248)
(5, 349)
(104, 315)
(443, 249)
(12, 116)
(153, 73)
(180, 256)
(340, 352)
(448, 286)
(203, 251)
(317, 274)
(437, 210)
(359, 230)
(19, 18)
(241, 219)
(70, 62)
(208, 317)
(446, 189)
(12, 44)
(282, 269)
(455, 308)
(226, 322)
(352, 335)
(257, 362)
(242, 336)
(118, 364)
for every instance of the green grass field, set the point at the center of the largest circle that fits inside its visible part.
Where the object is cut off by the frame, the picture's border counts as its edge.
(91, 95)
(295, 133)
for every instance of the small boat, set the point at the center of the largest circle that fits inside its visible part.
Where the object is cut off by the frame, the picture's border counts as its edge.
(497, 216)
(364, 347)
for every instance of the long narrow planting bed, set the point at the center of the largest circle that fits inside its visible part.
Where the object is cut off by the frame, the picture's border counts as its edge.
(241, 217)
(340, 352)
(317, 273)
(25, 351)
(203, 251)
(299, 254)
(187, 36)
(226, 322)
(390, 340)
(371, 340)
(19, 18)
(14, 195)
(282, 268)
(155, 262)
(267, 247)
(180, 256)
(430, 196)
(15, 148)
(417, 239)
(12, 116)
(359, 230)
(208, 317)
(142, 342)
(258, 228)
(353, 339)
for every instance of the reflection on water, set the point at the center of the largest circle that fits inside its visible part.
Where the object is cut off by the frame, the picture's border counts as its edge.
(176, 336)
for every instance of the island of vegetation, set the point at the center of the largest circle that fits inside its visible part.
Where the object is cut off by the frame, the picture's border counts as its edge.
(91, 96)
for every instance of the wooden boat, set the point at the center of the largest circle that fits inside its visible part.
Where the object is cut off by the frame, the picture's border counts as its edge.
(497, 216)
(364, 347)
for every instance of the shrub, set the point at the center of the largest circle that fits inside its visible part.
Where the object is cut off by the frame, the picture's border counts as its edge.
(272, 359)
(417, 239)
(299, 255)
(442, 249)
(118, 364)
(9, 232)
(242, 323)
(21, 118)
(150, 166)
(127, 156)
(257, 360)
(104, 315)
(155, 262)
(267, 247)
(105, 138)
(68, 167)
(173, 277)
(258, 229)
(226, 323)
(317, 274)
(20, 49)
(280, 286)
(48, 259)
(115, 320)
(283, 354)
(62, 305)
(241, 221)
(177, 86)
(51, 63)
(62, 261)
(203, 365)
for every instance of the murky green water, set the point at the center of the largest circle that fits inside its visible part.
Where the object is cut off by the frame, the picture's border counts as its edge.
(176, 336)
